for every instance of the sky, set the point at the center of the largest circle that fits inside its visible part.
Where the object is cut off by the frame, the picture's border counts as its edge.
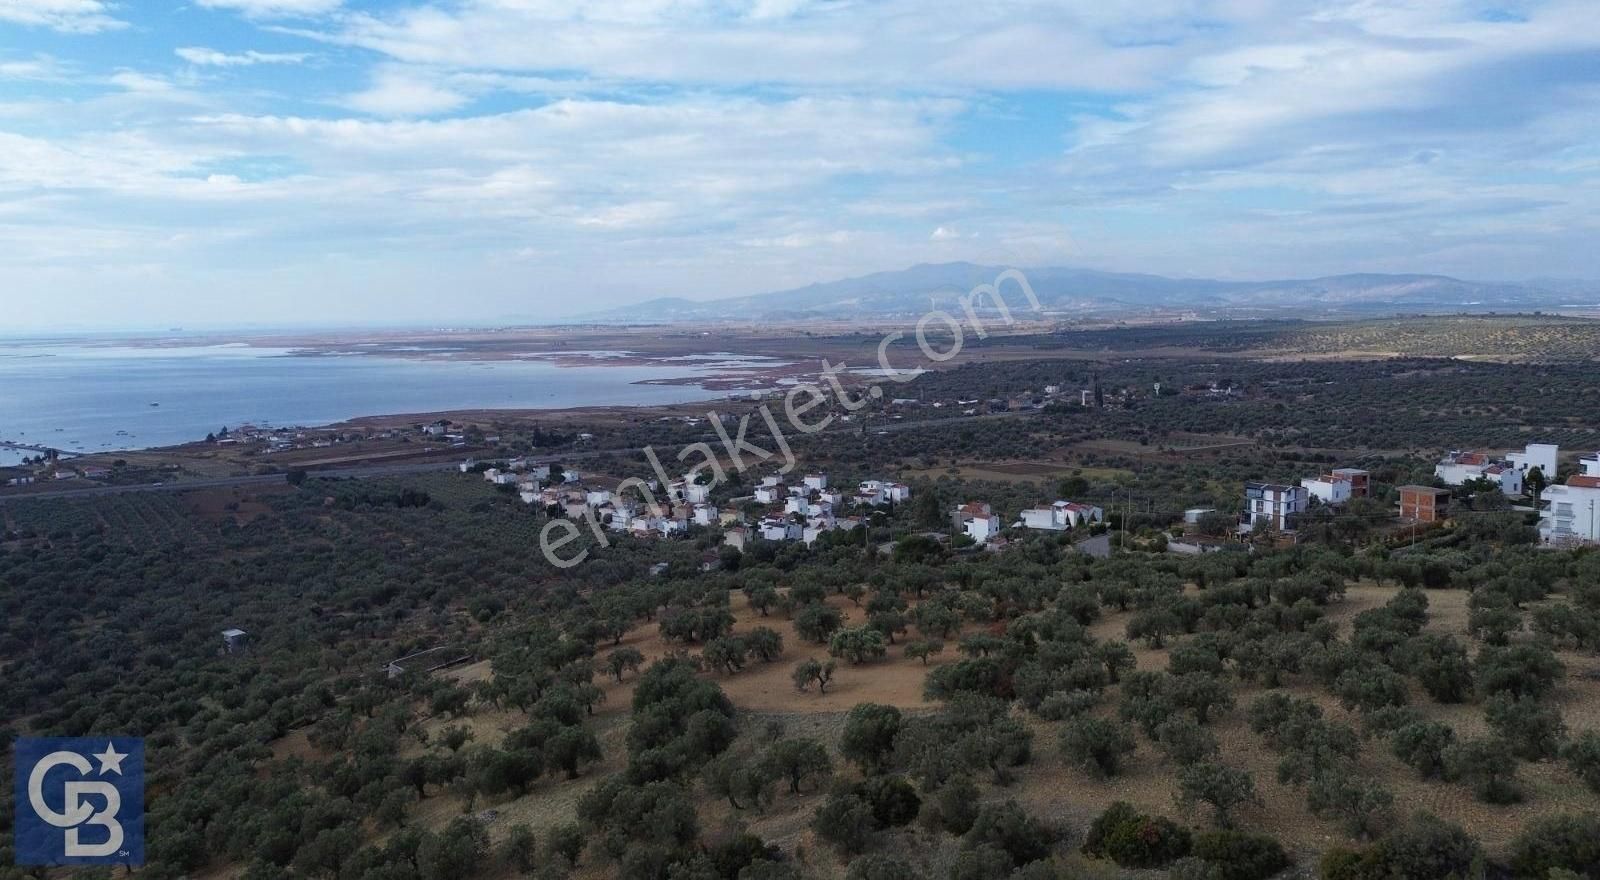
(278, 162)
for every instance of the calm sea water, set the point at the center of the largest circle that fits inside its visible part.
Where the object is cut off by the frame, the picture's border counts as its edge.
(92, 398)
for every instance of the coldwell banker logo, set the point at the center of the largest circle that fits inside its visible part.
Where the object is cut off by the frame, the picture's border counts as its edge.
(80, 801)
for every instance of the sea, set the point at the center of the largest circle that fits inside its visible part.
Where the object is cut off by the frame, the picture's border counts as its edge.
(99, 397)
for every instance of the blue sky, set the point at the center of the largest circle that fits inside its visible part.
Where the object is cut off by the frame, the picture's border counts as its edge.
(231, 162)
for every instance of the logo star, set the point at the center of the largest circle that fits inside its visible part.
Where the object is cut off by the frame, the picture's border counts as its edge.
(110, 760)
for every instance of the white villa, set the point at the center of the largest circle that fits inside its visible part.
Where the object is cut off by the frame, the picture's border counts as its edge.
(977, 521)
(778, 527)
(1061, 516)
(1330, 488)
(879, 492)
(1462, 467)
(1536, 455)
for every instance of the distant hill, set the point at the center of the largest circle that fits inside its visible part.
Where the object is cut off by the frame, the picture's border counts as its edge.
(1073, 290)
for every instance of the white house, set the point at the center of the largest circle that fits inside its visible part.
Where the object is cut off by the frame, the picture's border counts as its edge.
(1463, 467)
(817, 525)
(880, 492)
(528, 496)
(816, 482)
(1061, 516)
(770, 494)
(814, 528)
(703, 515)
(597, 497)
(1273, 504)
(697, 493)
(1590, 464)
(539, 472)
(977, 521)
(467, 465)
(620, 513)
(780, 528)
(736, 537)
(1536, 455)
(1571, 513)
(1329, 488)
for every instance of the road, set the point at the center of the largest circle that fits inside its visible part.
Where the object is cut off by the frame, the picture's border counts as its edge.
(424, 467)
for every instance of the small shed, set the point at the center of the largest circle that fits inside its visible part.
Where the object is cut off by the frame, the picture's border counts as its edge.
(235, 640)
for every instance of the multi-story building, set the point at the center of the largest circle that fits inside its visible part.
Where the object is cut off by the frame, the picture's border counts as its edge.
(1571, 513)
(1360, 480)
(1536, 455)
(1273, 504)
(1423, 503)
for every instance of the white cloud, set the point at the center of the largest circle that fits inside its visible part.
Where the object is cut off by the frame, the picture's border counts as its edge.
(202, 56)
(142, 83)
(632, 146)
(396, 91)
(67, 16)
(917, 44)
(274, 8)
(42, 68)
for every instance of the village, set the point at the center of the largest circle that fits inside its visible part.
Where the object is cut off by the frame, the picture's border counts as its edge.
(805, 508)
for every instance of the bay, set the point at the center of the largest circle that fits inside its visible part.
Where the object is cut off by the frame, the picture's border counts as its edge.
(100, 397)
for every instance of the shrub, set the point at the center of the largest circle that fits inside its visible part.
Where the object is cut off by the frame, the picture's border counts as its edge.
(1422, 746)
(1009, 827)
(1071, 704)
(1441, 667)
(1135, 840)
(987, 862)
(1422, 848)
(1224, 788)
(845, 820)
(1184, 741)
(1583, 757)
(1488, 766)
(957, 805)
(1523, 670)
(1363, 806)
(893, 800)
(881, 867)
(1532, 727)
(1567, 842)
(1191, 868)
(869, 732)
(1370, 689)
(1236, 855)
(1096, 744)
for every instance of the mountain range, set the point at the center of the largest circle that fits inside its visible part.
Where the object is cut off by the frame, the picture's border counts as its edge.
(1065, 290)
